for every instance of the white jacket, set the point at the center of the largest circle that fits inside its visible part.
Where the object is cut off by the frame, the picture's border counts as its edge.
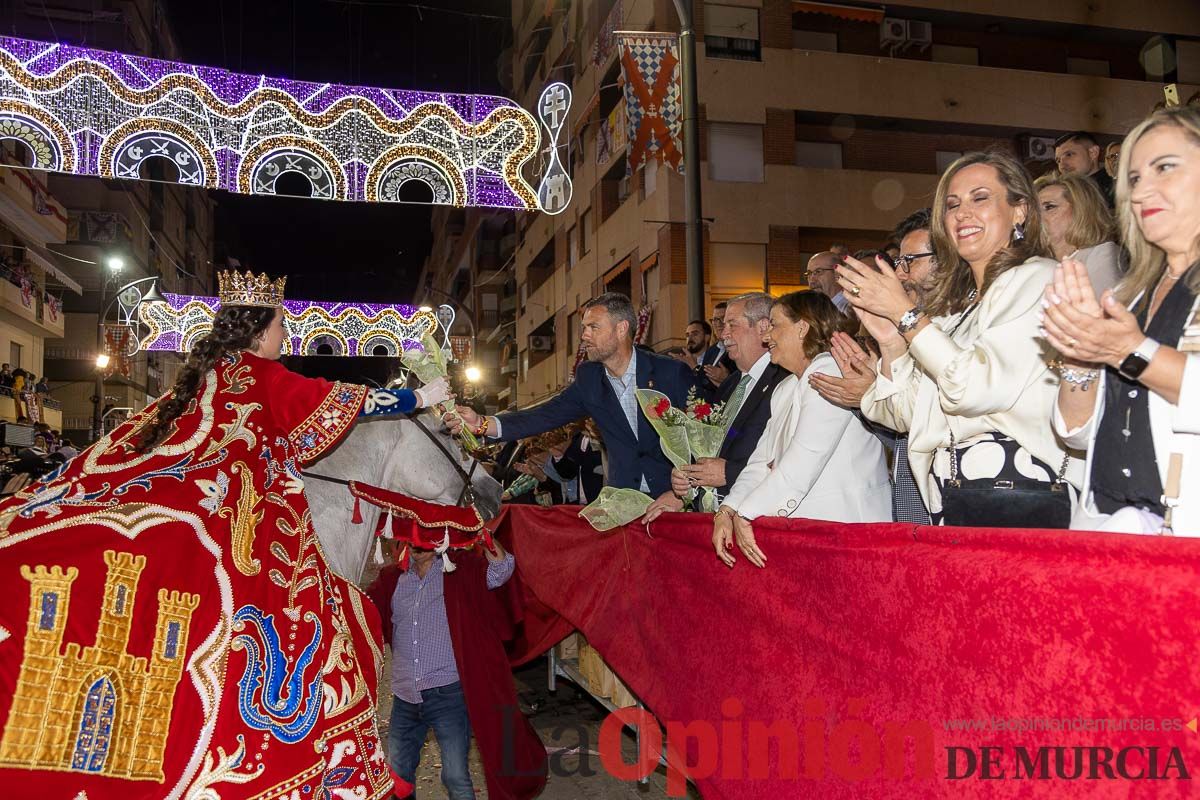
(814, 460)
(1175, 428)
(990, 374)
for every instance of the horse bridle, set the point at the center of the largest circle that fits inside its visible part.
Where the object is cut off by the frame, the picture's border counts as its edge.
(468, 491)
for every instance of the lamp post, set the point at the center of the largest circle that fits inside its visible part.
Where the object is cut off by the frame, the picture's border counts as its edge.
(114, 265)
(693, 226)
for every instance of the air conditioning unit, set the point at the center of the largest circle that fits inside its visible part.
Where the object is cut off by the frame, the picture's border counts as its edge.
(1037, 148)
(541, 344)
(920, 34)
(893, 33)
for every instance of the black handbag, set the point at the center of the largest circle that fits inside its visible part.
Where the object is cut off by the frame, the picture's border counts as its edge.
(991, 503)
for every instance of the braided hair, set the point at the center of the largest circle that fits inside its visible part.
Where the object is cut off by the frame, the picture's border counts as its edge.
(234, 328)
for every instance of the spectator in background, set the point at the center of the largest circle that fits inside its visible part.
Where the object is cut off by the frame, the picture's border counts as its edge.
(814, 459)
(1079, 153)
(1112, 157)
(1080, 226)
(821, 277)
(716, 365)
(968, 371)
(892, 249)
(603, 389)
(67, 450)
(6, 376)
(43, 386)
(839, 250)
(915, 269)
(696, 338)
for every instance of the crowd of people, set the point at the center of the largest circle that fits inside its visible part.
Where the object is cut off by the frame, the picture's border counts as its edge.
(1018, 355)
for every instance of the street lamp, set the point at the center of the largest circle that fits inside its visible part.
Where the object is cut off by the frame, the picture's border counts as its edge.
(474, 374)
(115, 264)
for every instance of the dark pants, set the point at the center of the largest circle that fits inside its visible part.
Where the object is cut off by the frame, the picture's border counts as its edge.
(445, 710)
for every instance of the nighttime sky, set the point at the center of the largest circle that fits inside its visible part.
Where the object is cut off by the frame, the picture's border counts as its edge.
(335, 250)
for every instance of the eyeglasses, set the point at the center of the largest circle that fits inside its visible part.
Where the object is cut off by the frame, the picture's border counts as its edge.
(814, 272)
(905, 262)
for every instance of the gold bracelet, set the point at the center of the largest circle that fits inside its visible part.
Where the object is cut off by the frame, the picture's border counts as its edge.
(727, 511)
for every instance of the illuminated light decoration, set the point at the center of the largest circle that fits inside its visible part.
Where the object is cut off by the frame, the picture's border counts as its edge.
(93, 112)
(554, 192)
(348, 329)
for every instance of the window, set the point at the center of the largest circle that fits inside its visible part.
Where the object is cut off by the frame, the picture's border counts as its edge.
(735, 152)
(585, 232)
(945, 158)
(171, 647)
(49, 611)
(814, 40)
(14, 354)
(572, 246)
(1088, 66)
(731, 32)
(953, 54)
(823, 155)
(119, 601)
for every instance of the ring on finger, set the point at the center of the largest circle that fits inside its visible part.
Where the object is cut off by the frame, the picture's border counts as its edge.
(855, 290)
(1072, 342)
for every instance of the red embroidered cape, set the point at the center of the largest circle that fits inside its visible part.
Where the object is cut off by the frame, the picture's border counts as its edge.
(514, 758)
(168, 625)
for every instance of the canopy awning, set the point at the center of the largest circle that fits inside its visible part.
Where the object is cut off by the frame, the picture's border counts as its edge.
(855, 13)
(42, 259)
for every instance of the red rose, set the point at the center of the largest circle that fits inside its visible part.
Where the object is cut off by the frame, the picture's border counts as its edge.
(662, 407)
(702, 411)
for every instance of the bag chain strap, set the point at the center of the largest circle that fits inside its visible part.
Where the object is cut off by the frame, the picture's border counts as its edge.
(1060, 478)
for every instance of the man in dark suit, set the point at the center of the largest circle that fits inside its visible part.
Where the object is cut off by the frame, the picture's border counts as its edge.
(1079, 152)
(747, 318)
(604, 390)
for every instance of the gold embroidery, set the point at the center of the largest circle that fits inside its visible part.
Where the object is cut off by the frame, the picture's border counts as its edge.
(96, 709)
(235, 429)
(222, 769)
(238, 379)
(244, 519)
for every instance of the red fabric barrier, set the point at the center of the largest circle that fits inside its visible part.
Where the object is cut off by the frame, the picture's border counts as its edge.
(869, 642)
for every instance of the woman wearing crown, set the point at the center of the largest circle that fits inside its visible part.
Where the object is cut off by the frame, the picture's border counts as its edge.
(169, 627)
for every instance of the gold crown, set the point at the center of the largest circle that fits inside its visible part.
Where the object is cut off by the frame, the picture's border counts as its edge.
(236, 289)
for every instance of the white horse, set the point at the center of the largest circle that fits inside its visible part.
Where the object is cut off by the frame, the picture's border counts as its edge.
(392, 454)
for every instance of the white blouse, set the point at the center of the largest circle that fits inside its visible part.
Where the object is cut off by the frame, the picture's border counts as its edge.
(814, 460)
(991, 374)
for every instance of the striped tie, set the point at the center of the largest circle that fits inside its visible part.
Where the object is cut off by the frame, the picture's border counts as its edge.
(736, 399)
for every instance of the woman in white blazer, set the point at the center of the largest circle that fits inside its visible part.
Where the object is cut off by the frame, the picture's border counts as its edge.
(815, 459)
(968, 370)
(1131, 359)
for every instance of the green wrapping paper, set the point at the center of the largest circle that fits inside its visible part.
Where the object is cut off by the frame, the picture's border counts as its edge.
(428, 363)
(613, 508)
(667, 423)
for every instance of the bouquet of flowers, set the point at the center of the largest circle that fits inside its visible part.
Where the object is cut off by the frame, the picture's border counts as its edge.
(427, 361)
(687, 434)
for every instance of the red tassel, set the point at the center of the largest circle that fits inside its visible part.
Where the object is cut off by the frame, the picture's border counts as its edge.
(357, 517)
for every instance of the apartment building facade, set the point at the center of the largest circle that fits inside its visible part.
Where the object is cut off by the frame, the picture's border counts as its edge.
(156, 227)
(821, 123)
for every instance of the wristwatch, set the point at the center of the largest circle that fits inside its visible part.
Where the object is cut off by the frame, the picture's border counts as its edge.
(909, 320)
(1136, 362)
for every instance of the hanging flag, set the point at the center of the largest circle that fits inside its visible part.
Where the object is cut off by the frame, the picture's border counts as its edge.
(606, 38)
(653, 98)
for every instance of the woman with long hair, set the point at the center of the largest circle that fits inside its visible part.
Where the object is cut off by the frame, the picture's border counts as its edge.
(966, 374)
(815, 459)
(175, 628)
(1079, 225)
(1130, 364)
